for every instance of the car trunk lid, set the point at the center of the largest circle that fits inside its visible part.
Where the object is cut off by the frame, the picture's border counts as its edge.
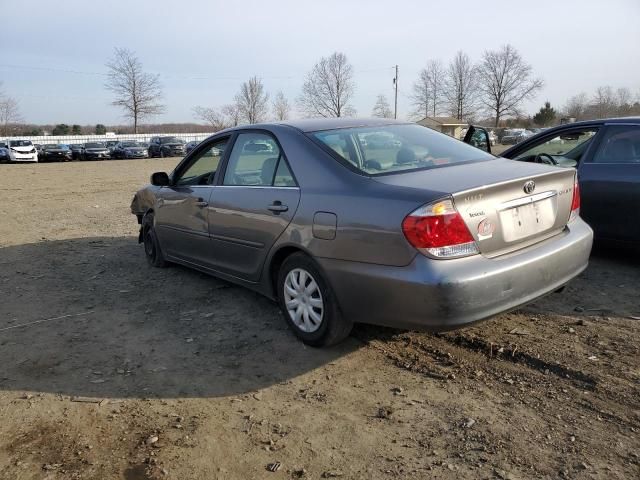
(505, 204)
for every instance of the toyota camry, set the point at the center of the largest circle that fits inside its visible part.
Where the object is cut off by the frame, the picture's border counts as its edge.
(374, 221)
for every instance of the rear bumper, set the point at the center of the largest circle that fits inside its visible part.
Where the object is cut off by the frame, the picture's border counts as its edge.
(446, 294)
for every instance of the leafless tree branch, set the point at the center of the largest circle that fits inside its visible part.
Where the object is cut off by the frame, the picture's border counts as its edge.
(137, 92)
(328, 88)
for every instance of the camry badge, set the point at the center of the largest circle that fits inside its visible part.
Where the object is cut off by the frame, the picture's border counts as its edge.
(529, 186)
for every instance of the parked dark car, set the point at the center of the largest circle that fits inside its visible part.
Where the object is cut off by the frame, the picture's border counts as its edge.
(55, 152)
(110, 144)
(38, 148)
(606, 154)
(130, 149)
(190, 146)
(4, 153)
(76, 150)
(166, 147)
(95, 151)
(426, 233)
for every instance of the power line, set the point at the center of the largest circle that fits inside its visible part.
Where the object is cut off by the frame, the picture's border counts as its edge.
(173, 75)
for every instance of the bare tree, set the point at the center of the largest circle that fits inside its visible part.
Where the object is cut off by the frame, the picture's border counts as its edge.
(252, 101)
(576, 106)
(281, 107)
(328, 88)
(232, 114)
(137, 92)
(505, 81)
(461, 86)
(9, 112)
(603, 103)
(624, 100)
(382, 108)
(421, 95)
(211, 116)
(429, 91)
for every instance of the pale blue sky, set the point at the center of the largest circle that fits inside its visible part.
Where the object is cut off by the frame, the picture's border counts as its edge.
(203, 50)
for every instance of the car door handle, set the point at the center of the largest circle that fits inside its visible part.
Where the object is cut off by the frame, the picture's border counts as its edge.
(277, 207)
(201, 203)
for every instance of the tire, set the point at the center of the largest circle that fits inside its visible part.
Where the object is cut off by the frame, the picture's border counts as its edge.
(332, 327)
(152, 250)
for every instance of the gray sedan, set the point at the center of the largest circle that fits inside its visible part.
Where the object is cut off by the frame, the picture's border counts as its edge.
(420, 231)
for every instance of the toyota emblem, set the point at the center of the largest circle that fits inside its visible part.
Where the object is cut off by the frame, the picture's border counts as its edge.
(529, 186)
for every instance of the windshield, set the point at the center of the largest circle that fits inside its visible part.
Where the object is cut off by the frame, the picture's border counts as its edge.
(94, 145)
(20, 143)
(131, 144)
(170, 140)
(395, 148)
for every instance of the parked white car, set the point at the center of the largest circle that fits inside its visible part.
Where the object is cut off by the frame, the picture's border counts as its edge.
(22, 151)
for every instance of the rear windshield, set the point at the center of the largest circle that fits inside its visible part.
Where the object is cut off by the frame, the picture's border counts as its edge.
(94, 145)
(20, 143)
(395, 148)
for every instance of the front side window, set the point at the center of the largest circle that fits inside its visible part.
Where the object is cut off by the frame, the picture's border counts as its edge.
(202, 169)
(395, 148)
(620, 145)
(570, 145)
(253, 161)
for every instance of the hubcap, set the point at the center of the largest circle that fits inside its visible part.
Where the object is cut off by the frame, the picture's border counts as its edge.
(303, 300)
(148, 243)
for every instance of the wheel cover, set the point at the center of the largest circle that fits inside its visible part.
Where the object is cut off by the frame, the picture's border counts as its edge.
(149, 246)
(303, 300)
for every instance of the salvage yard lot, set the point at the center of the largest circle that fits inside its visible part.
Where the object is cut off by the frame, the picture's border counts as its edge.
(112, 369)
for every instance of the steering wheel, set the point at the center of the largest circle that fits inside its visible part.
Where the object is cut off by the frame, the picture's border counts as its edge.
(545, 158)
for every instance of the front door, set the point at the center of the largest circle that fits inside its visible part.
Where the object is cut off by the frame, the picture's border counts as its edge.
(252, 205)
(610, 184)
(182, 210)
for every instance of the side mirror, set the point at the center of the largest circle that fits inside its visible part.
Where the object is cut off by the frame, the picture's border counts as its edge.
(478, 137)
(160, 179)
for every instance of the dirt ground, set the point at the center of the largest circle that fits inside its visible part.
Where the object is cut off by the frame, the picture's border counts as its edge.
(112, 369)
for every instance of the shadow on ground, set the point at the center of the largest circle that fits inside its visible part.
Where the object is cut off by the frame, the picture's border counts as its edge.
(129, 330)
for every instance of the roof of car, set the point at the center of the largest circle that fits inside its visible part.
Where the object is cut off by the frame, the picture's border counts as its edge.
(602, 120)
(315, 124)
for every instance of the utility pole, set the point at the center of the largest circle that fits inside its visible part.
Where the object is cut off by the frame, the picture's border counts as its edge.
(395, 84)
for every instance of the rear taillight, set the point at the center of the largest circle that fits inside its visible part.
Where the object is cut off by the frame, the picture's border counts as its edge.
(575, 201)
(438, 230)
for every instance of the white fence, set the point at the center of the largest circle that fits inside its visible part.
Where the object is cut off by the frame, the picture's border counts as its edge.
(139, 137)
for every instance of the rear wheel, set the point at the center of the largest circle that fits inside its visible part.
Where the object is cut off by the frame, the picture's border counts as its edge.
(308, 304)
(152, 250)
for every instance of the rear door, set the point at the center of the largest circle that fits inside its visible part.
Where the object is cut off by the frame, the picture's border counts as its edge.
(182, 209)
(251, 205)
(610, 184)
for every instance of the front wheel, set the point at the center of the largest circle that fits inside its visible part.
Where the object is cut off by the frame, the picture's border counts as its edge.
(152, 250)
(308, 304)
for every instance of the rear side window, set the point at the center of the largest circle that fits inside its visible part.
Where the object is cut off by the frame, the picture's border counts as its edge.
(621, 144)
(396, 148)
(255, 160)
